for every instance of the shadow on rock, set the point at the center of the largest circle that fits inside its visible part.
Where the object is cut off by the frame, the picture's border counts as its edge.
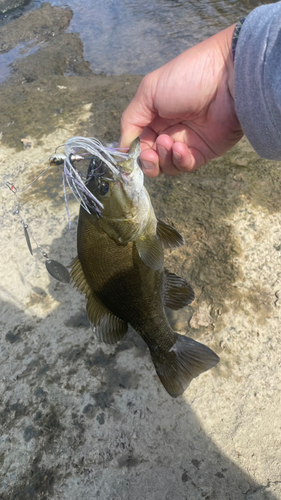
(79, 418)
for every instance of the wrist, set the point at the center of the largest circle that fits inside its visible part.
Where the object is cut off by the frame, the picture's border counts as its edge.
(229, 61)
(223, 44)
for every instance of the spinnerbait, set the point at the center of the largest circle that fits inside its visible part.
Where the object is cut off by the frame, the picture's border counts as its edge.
(76, 149)
(54, 268)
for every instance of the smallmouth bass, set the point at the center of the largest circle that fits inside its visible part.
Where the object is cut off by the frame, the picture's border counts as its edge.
(120, 269)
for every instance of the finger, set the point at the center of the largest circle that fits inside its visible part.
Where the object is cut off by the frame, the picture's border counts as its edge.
(148, 138)
(150, 162)
(164, 148)
(172, 159)
(153, 165)
(187, 159)
(155, 162)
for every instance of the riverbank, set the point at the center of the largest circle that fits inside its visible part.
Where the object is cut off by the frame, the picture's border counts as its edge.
(83, 420)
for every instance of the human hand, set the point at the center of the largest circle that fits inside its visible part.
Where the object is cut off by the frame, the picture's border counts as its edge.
(184, 111)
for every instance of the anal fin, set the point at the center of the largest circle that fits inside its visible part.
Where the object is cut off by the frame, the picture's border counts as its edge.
(107, 327)
(178, 293)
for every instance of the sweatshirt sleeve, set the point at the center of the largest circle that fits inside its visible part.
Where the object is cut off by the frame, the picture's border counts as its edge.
(258, 80)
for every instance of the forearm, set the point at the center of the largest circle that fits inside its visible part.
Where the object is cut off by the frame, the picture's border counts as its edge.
(258, 80)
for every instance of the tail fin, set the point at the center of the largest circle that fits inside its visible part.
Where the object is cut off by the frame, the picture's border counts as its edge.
(184, 361)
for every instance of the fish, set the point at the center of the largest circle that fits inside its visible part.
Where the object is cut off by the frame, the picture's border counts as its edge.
(120, 269)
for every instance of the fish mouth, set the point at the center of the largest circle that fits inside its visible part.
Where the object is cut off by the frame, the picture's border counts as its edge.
(108, 158)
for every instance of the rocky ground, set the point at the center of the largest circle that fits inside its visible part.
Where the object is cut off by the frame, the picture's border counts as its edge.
(83, 420)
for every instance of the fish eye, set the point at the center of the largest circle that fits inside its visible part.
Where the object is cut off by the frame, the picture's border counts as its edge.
(104, 188)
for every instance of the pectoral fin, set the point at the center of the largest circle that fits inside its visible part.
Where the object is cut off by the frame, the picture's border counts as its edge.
(150, 251)
(168, 235)
(107, 327)
(178, 293)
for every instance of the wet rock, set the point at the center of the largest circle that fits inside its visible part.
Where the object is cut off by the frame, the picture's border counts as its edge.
(79, 320)
(34, 107)
(38, 25)
(184, 477)
(102, 399)
(39, 482)
(62, 55)
(128, 461)
(17, 334)
(8, 5)
(89, 410)
(100, 418)
(30, 433)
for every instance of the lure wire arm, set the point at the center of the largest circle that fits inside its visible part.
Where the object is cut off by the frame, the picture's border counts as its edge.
(76, 149)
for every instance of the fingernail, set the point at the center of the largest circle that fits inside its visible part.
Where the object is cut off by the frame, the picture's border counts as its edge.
(177, 156)
(148, 165)
(162, 151)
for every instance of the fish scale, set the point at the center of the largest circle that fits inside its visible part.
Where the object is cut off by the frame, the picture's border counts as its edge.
(119, 278)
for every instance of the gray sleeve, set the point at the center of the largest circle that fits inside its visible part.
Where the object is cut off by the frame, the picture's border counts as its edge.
(258, 80)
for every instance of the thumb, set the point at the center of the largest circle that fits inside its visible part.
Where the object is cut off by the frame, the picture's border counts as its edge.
(138, 114)
(129, 132)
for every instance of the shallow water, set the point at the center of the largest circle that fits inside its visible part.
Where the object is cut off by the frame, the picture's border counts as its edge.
(20, 51)
(136, 37)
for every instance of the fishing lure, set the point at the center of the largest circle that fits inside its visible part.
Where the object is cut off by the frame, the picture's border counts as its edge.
(54, 268)
(92, 149)
(76, 149)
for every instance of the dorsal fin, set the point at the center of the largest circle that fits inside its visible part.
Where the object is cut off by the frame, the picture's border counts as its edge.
(107, 327)
(178, 293)
(168, 235)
